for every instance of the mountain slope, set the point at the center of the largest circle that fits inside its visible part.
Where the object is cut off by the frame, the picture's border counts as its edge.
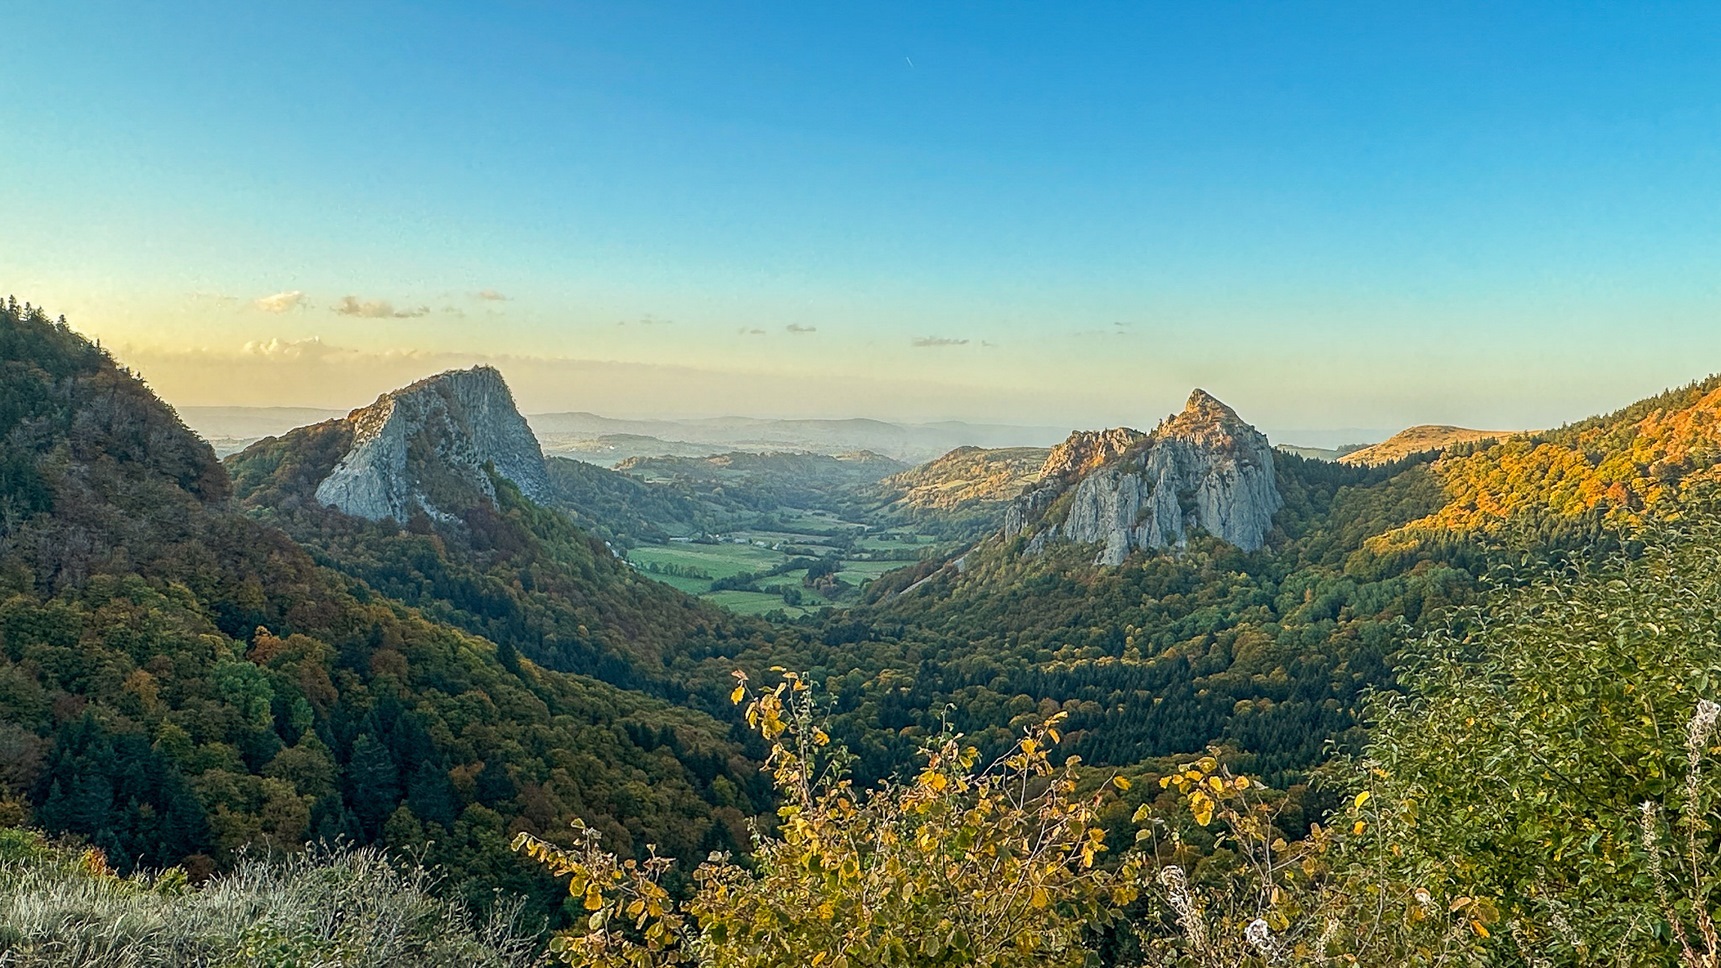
(178, 681)
(965, 477)
(1615, 468)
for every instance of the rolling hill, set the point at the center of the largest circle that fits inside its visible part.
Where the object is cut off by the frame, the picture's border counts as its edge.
(1421, 439)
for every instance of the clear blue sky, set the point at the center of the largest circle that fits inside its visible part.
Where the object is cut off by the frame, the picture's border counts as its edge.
(1328, 214)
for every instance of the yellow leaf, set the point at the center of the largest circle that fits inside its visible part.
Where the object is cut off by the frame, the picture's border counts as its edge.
(739, 694)
(1202, 806)
(1120, 782)
(1360, 826)
(1040, 899)
(1361, 799)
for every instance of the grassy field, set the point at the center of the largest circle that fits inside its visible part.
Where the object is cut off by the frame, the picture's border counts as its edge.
(758, 603)
(716, 560)
(761, 552)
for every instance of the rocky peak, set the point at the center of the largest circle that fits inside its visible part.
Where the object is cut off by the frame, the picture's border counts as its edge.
(425, 447)
(1085, 450)
(1202, 468)
(1207, 421)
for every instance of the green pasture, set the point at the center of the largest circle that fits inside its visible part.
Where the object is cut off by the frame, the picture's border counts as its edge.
(717, 560)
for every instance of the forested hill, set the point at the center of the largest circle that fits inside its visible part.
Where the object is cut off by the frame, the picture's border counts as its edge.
(520, 574)
(178, 680)
(1618, 467)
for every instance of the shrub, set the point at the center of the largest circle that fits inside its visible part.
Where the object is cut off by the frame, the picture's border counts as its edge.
(966, 864)
(65, 907)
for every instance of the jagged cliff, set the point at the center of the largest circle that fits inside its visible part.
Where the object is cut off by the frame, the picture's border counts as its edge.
(425, 447)
(1124, 490)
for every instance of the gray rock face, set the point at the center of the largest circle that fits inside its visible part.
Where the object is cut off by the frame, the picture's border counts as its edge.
(1204, 468)
(424, 447)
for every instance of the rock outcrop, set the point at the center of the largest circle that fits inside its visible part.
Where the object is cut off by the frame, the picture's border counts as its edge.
(1126, 491)
(425, 448)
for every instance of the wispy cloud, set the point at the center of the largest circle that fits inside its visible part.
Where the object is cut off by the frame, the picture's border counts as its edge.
(490, 295)
(289, 349)
(798, 329)
(929, 341)
(1115, 329)
(745, 331)
(376, 309)
(281, 302)
(646, 320)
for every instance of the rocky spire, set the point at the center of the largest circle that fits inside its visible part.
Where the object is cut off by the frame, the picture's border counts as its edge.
(1202, 468)
(425, 447)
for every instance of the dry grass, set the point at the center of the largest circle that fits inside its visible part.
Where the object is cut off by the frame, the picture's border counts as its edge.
(62, 908)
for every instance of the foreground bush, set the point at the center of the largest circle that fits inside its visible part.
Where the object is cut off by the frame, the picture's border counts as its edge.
(1555, 760)
(965, 864)
(63, 907)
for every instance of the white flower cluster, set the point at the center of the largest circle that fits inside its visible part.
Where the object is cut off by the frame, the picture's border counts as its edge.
(1259, 935)
(1188, 915)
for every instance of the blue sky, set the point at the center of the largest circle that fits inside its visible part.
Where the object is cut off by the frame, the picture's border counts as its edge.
(1357, 215)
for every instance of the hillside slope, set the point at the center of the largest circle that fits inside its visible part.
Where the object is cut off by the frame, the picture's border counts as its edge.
(178, 681)
(1617, 466)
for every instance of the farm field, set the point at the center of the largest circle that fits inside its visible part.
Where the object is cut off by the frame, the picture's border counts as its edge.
(863, 555)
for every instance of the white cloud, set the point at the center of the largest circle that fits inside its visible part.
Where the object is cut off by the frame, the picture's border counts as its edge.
(289, 349)
(490, 295)
(280, 302)
(925, 341)
(376, 309)
(798, 329)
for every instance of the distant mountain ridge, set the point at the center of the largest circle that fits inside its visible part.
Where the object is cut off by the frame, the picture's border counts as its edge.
(563, 432)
